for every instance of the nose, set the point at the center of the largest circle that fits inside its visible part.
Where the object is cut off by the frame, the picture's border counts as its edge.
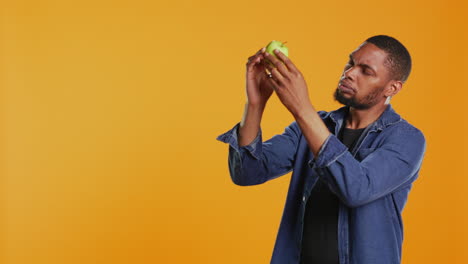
(349, 73)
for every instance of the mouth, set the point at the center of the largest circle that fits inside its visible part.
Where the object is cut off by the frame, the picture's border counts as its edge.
(346, 89)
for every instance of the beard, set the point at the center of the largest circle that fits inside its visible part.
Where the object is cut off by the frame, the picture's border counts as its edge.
(366, 103)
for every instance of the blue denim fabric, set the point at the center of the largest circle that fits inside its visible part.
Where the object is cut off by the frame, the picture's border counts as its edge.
(372, 182)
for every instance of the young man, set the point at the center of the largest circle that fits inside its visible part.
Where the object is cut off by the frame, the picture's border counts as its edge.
(352, 167)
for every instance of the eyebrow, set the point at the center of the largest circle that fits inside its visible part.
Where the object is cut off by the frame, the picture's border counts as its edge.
(362, 64)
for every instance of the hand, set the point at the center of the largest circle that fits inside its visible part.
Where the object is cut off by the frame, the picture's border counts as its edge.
(258, 87)
(288, 83)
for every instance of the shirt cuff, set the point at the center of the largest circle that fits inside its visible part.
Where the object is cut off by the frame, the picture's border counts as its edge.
(230, 137)
(330, 151)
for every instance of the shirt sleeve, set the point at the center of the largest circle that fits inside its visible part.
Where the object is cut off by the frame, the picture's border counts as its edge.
(382, 171)
(261, 161)
(231, 137)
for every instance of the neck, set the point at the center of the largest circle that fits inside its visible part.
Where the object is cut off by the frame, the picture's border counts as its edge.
(357, 118)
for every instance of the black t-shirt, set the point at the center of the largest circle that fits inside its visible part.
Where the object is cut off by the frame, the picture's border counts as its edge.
(320, 234)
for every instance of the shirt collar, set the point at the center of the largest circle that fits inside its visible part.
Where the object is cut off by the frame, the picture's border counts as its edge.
(388, 117)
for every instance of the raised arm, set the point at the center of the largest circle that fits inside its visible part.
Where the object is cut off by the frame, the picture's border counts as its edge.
(383, 169)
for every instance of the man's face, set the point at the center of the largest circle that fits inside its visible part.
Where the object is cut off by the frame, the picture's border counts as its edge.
(366, 75)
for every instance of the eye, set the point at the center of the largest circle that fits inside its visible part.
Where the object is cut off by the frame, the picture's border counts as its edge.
(366, 72)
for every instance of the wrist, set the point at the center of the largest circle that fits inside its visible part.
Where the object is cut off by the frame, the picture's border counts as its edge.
(304, 113)
(255, 106)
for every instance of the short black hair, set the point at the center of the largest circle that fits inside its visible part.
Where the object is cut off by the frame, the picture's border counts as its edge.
(398, 58)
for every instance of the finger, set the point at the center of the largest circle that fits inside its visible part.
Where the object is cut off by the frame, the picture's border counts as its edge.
(274, 70)
(274, 83)
(261, 50)
(258, 54)
(267, 72)
(279, 64)
(257, 57)
(286, 61)
(276, 75)
(267, 65)
(268, 68)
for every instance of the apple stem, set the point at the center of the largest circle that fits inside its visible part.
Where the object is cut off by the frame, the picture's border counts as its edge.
(284, 42)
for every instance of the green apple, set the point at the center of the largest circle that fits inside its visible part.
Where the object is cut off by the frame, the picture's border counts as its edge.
(274, 44)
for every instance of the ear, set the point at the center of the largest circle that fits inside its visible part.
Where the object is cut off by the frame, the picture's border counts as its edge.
(393, 88)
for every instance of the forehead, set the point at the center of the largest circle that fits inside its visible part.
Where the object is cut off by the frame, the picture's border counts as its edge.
(371, 55)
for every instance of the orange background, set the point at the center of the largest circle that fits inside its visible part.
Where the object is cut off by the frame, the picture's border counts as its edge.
(110, 110)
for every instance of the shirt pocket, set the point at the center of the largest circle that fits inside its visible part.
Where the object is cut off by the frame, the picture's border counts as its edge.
(363, 153)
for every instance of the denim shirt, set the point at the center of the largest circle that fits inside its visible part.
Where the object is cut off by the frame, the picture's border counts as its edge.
(372, 182)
